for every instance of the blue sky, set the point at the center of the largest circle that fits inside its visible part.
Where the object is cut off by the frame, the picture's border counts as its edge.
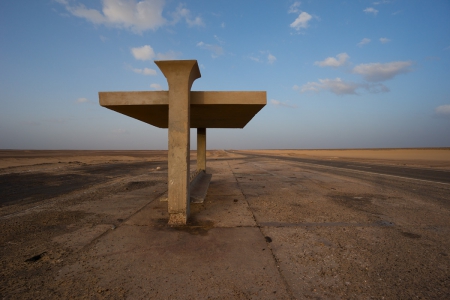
(338, 74)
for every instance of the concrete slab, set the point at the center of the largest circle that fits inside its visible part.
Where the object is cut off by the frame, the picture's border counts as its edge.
(81, 237)
(221, 187)
(341, 235)
(199, 187)
(224, 211)
(178, 263)
(208, 109)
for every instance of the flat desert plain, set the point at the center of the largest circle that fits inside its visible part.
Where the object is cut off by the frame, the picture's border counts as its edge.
(276, 224)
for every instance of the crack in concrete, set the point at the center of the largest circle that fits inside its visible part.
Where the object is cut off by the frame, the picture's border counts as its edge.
(87, 246)
(266, 239)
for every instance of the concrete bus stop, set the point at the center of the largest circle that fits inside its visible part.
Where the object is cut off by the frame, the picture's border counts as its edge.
(180, 109)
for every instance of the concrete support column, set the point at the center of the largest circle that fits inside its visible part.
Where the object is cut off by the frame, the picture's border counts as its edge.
(180, 75)
(201, 149)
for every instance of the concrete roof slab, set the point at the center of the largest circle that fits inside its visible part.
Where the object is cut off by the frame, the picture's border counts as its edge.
(208, 109)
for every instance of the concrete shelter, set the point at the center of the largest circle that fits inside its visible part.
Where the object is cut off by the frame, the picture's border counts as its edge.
(180, 109)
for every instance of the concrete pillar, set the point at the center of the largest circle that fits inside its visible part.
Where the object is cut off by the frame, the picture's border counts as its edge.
(201, 149)
(180, 75)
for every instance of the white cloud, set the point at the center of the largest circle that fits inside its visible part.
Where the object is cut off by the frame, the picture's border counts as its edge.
(215, 49)
(340, 87)
(336, 86)
(293, 9)
(195, 22)
(143, 53)
(222, 25)
(302, 21)
(363, 42)
(443, 111)
(171, 55)
(219, 40)
(145, 71)
(271, 59)
(82, 100)
(156, 86)
(279, 103)
(146, 52)
(134, 15)
(375, 88)
(384, 40)
(371, 10)
(381, 2)
(183, 13)
(263, 56)
(333, 62)
(376, 72)
(137, 16)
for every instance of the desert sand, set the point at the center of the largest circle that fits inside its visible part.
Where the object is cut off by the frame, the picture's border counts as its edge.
(423, 157)
(420, 157)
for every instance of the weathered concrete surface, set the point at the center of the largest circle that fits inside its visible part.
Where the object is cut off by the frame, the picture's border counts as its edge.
(268, 229)
(201, 148)
(180, 76)
(199, 187)
(172, 110)
(209, 109)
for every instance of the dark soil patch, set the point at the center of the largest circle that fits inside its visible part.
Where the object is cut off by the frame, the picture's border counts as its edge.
(137, 185)
(20, 188)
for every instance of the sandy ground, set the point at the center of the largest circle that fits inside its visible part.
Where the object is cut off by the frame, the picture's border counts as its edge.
(420, 157)
(24, 158)
(90, 225)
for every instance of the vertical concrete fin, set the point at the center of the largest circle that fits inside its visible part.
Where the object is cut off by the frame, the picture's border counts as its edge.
(201, 149)
(176, 70)
(180, 75)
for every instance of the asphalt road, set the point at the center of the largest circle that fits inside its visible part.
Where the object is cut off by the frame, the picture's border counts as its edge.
(437, 176)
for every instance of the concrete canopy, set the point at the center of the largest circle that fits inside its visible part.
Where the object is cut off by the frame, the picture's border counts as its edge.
(207, 109)
(180, 109)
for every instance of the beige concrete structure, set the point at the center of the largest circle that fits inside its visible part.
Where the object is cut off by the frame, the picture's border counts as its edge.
(208, 109)
(201, 149)
(179, 109)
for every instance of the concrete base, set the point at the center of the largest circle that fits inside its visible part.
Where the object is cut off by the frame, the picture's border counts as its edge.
(198, 187)
(178, 219)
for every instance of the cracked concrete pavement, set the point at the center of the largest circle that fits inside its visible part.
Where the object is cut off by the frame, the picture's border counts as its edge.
(268, 229)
